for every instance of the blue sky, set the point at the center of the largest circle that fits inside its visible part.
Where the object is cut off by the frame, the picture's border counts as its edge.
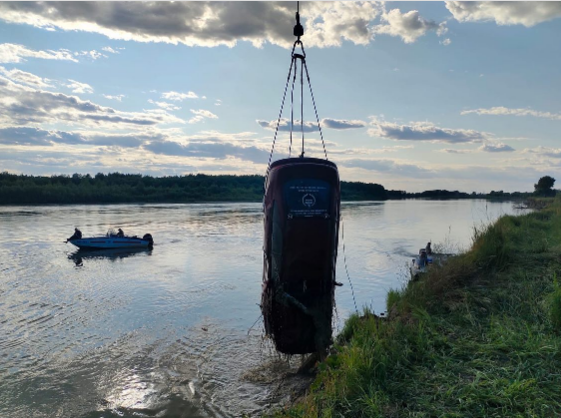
(411, 95)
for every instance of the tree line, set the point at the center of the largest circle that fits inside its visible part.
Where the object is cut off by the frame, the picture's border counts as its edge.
(18, 189)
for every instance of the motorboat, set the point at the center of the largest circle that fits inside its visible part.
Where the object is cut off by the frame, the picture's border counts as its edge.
(421, 263)
(112, 241)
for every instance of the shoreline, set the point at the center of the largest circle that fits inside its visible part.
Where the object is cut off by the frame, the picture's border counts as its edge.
(477, 336)
(217, 202)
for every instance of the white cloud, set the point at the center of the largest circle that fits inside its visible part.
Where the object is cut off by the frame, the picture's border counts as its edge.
(204, 113)
(284, 125)
(78, 87)
(23, 106)
(26, 78)
(338, 124)
(118, 97)
(90, 54)
(179, 97)
(201, 115)
(15, 53)
(527, 13)
(165, 105)
(341, 124)
(445, 42)
(328, 24)
(110, 50)
(408, 26)
(500, 110)
(442, 29)
(423, 131)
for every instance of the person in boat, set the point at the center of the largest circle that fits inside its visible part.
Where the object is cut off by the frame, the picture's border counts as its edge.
(120, 233)
(77, 235)
(428, 249)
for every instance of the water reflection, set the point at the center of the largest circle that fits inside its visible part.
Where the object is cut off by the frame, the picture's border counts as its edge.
(113, 254)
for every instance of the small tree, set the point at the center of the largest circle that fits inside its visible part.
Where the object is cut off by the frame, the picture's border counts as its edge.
(544, 187)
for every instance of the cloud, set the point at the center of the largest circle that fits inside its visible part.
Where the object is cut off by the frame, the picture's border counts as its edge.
(544, 151)
(215, 150)
(389, 166)
(284, 125)
(328, 24)
(110, 50)
(204, 113)
(456, 151)
(164, 105)
(342, 124)
(423, 131)
(445, 42)
(78, 87)
(408, 26)
(15, 53)
(442, 29)
(495, 147)
(514, 112)
(26, 78)
(527, 13)
(179, 97)
(41, 137)
(90, 54)
(118, 97)
(22, 105)
(201, 115)
(212, 24)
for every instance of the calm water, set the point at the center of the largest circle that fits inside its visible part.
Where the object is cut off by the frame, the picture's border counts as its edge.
(169, 332)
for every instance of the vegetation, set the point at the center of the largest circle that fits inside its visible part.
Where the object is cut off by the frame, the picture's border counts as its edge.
(544, 186)
(128, 188)
(479, 336)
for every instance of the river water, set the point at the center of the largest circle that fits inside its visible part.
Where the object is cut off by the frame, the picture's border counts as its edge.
(176, 331)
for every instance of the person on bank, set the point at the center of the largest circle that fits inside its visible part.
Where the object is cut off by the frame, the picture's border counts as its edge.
(77, 235)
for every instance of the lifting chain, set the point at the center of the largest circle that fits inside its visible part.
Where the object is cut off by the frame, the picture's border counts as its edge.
(298, 32)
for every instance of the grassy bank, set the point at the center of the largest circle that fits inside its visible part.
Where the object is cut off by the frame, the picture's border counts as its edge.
(478, 337)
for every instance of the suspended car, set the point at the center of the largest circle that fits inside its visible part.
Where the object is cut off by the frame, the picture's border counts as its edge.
(301, 205)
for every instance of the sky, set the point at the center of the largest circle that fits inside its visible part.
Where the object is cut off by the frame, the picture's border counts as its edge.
(411, 95)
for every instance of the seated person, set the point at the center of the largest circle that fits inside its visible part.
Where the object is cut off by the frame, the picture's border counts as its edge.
(120, 233)
(77, 235)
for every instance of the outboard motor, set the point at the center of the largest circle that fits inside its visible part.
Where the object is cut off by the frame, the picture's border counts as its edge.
(148, 237)
(302, 205)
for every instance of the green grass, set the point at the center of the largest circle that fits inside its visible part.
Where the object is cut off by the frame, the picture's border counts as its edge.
(478, 337)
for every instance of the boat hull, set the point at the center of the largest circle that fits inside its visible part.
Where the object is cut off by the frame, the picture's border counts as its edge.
(105, 243)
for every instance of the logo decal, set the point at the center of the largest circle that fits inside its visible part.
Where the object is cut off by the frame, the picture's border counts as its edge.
(309, 200)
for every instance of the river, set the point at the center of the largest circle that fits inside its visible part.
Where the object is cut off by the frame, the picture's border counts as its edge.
(177, 331)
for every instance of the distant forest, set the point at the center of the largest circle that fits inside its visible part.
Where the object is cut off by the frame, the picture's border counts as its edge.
(128, 188)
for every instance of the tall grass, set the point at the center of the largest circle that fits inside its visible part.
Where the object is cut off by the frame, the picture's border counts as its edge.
(479, 336)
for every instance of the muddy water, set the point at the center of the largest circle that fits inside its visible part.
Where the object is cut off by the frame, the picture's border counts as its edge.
(175, 331)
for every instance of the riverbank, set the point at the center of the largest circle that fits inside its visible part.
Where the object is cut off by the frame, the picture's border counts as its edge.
(19, 189)
(478, 336)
